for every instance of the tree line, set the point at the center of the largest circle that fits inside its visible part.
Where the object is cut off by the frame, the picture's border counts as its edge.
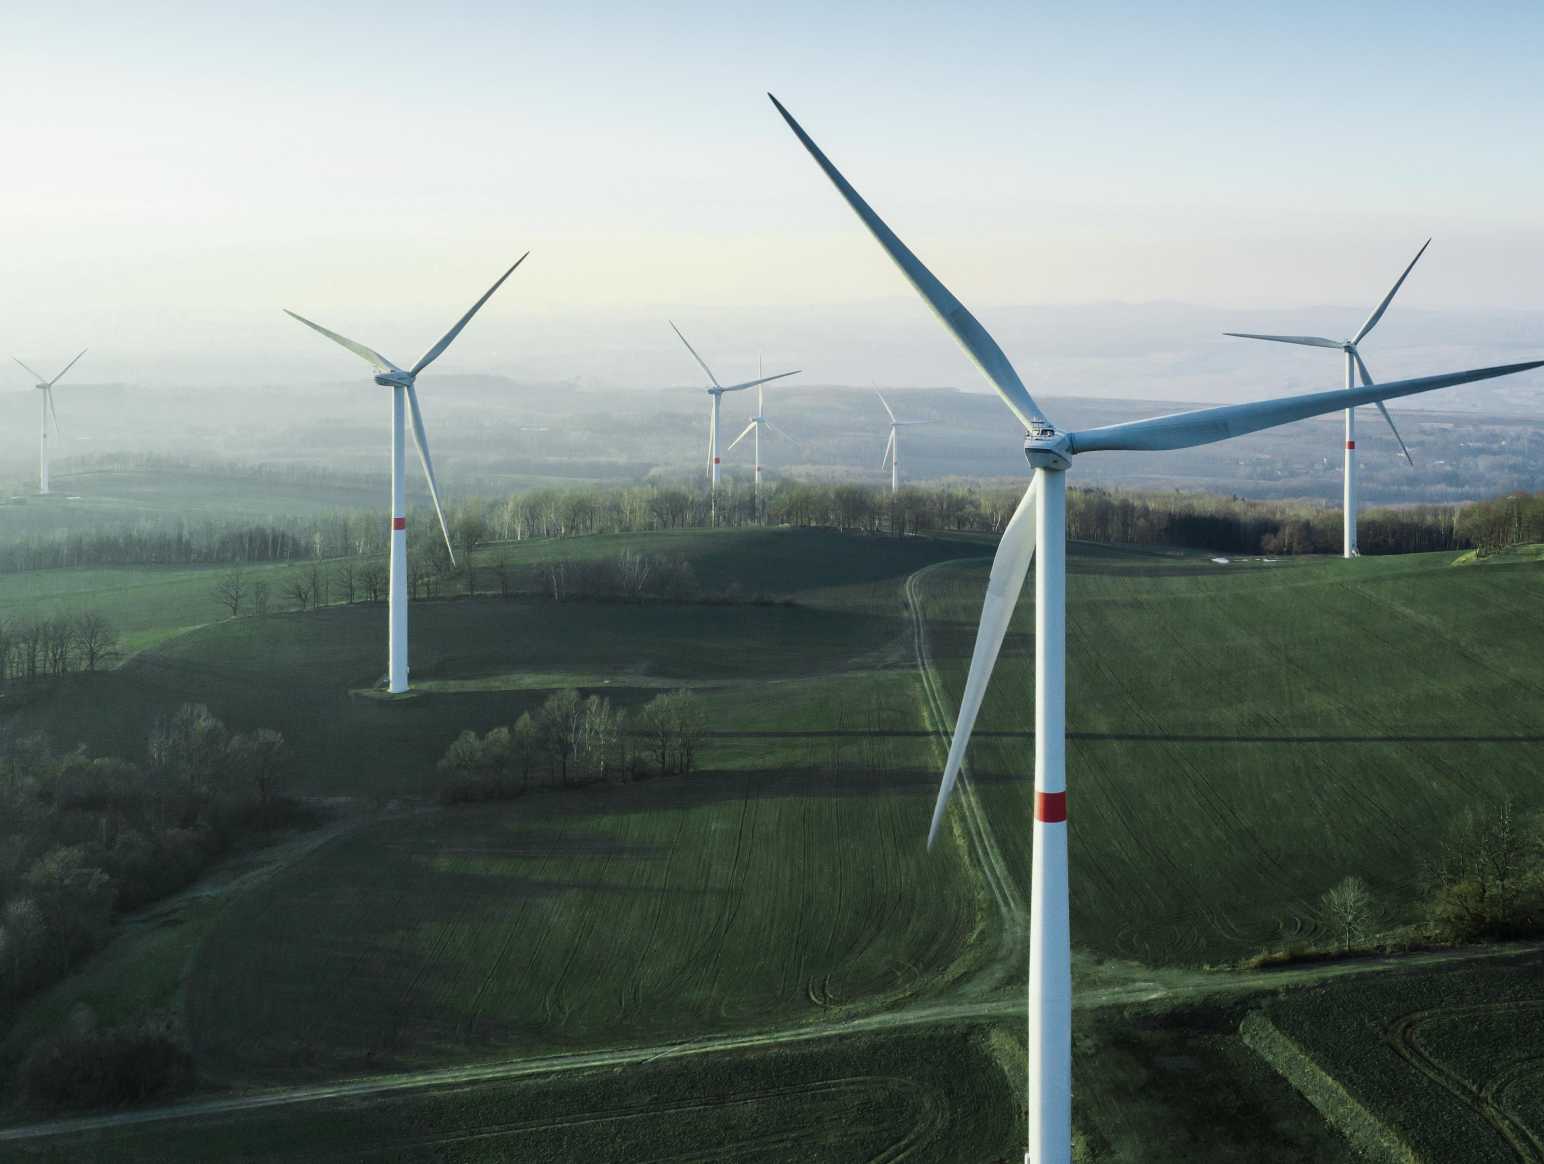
(1484, 882)
(55, 645)
(1186, 520)
(572, 740)
(84, 838)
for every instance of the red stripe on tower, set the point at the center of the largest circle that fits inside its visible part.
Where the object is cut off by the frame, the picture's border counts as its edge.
(399, 523)
(1351, 445)
(715, 460)
(1051, 807)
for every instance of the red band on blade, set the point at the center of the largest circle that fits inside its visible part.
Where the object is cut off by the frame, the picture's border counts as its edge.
(1051, 807)
(1350, 444)
(715, 460)
(399, 523)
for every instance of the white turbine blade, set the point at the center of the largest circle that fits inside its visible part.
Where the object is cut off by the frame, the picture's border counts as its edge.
(1009, 567)
(1203, 426)
(67, 367)
(886, 403)
(379, 362)
(1367, 380)
(1402, 446)
(421, 439)
(763, 380)
(48, 394)
(438, 349)
(711, 377)
(1372, 320)
(889, 444)
(711, 418)
(978, 344)
(1313, 341)
(750, 428)
(783, 434)
(35, 376)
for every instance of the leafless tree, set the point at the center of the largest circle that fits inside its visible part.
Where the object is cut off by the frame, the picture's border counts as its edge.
(1347, 909)
(297, 589)
(95, 639)
(230, 588)
(373, 579)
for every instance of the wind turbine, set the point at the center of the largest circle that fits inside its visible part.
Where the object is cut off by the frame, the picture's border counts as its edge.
(46, 387)
(717, 393)
(1354, 365)
(753, 429)
(893, 448)
(1037, 533)
(401, 383)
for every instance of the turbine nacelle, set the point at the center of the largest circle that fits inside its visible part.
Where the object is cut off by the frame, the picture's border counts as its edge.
(396, 379)
(1045, 448)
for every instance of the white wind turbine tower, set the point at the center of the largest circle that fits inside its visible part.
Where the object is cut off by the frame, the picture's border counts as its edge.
(717, 393)
(46, 387)
(403, 392)
(1037, 533)
(1354, 365)
(753, 430)
(893, 447)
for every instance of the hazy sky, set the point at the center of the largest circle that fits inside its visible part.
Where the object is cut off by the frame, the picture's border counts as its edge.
(177, 173)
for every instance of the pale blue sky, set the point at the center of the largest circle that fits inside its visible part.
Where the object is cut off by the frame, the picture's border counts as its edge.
(174, 175)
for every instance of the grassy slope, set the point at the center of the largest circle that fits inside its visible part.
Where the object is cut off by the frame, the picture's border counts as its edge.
(923, 1098)
(1448, 1059)
(628, 905)
(1246, 735)
(295, 671)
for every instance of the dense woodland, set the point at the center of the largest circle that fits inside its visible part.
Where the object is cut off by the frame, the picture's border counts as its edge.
(84, 838)
(1182, 519)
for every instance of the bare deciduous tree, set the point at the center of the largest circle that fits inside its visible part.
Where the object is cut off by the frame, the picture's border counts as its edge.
(230, 588)
(1347, 910)
(95, 639)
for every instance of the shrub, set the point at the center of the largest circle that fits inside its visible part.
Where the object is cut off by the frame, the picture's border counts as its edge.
(89, 1069)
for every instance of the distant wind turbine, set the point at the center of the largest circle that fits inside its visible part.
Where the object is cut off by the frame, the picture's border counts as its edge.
(46, 387)
(401, 383)
(717, 393)
(893, 448)
(753, 430)
(1354, 365)
(1037, 533)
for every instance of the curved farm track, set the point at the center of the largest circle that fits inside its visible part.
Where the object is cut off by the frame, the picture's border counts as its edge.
(1490, 1100)
(992, 996)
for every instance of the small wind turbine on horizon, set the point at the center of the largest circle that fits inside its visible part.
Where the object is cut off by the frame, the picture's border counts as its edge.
(892, 447)
(403, 392)
(46, 387)
(717, 394)
(1354, 365)
(753, 430)
(1037, 533)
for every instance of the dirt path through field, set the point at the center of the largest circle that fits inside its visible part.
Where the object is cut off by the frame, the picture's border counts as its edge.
(988, 858)
(1176, 986)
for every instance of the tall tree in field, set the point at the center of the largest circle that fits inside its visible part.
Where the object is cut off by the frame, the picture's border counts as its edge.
(230, 588)
(95, 639)
(1347, 909)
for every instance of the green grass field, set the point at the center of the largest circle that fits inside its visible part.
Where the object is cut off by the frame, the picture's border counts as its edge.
(937, 1097)
(1447, 1061)
(1243, 736)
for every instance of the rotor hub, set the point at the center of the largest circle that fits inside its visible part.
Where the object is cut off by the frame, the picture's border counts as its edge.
(394, 379)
